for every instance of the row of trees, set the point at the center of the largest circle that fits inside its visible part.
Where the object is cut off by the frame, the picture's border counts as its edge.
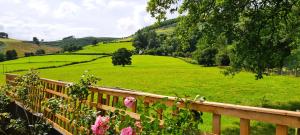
(3, 35)
(255, 35)
(12, 54)
(149, 42)
(37, 52)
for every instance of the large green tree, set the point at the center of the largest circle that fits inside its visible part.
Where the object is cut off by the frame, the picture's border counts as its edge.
(121, 57)
(263, 32)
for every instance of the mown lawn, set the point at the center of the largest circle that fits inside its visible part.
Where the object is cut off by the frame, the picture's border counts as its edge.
(106, 48)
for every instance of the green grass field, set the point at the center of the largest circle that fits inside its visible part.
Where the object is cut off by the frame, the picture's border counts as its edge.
(106, 48)
(34, 62)
(167, 76)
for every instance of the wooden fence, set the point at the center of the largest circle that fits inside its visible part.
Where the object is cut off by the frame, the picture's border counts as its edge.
(106, 98)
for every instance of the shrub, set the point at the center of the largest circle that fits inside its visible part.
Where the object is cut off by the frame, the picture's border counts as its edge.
(223, 60)
(2, 57)
(4, 101)
(121, 57)
(11, 55)
(207, 57)
(40, 52)
(28, 54)
(11, 126)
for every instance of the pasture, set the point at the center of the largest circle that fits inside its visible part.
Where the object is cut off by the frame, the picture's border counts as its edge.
(22, 47)
(170, 76)
(35, 62)
(106, 47)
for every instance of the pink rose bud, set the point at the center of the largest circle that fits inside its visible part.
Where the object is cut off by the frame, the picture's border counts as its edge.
(127, 131)
(138, 124)
(129, 102)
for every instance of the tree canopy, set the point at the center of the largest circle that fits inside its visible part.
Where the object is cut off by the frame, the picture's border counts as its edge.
(11, 54)
(36, 40)
(121, 57)
(262, 33)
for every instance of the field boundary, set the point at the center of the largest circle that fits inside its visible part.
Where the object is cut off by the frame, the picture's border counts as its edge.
(59, 66)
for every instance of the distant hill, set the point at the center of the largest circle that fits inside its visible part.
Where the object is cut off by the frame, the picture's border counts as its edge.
(21, 47)
(164, 27)
(78, 41)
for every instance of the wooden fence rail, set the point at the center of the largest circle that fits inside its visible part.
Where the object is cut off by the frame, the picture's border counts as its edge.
(105, 99)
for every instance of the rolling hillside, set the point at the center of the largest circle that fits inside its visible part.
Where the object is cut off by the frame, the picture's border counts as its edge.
(22, 47)
(78, 41)
(106, 47)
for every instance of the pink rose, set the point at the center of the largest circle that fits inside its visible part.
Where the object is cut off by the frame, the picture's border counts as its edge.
(129, 102)
(127, 131)
(101, 125)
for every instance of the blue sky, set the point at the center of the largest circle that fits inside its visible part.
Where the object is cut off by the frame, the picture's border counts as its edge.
(55, 19)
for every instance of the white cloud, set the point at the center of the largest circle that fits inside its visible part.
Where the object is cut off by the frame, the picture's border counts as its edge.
(135, 20)
(93, 4)
(55, 19)
(1, 27)
(40, 6)
(66, 9)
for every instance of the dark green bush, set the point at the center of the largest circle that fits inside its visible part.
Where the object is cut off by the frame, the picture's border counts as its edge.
(40, 52)
(223, 60)
(11, 54)
(207, 57)
(122, 57)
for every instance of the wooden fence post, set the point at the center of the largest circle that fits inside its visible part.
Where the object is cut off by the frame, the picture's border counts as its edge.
(216, 127)
(244, 126)
(281, 130)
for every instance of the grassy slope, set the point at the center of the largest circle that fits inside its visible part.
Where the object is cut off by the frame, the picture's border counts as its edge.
(22, 47)
(167, 31)
(41, 61)
(166, 75)
(106, 48)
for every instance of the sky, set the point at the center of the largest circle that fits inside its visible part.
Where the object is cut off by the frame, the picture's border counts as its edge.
(54, 19)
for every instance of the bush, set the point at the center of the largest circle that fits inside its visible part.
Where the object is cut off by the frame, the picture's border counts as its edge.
(28, 54)
(121, 57)
(40, 52)
(2, 57)
(207, 57)
(71, 48)
(11, 55)
(223, 60)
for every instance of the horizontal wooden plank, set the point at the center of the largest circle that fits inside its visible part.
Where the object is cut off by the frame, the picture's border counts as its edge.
(59, 128)
(57, 93)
